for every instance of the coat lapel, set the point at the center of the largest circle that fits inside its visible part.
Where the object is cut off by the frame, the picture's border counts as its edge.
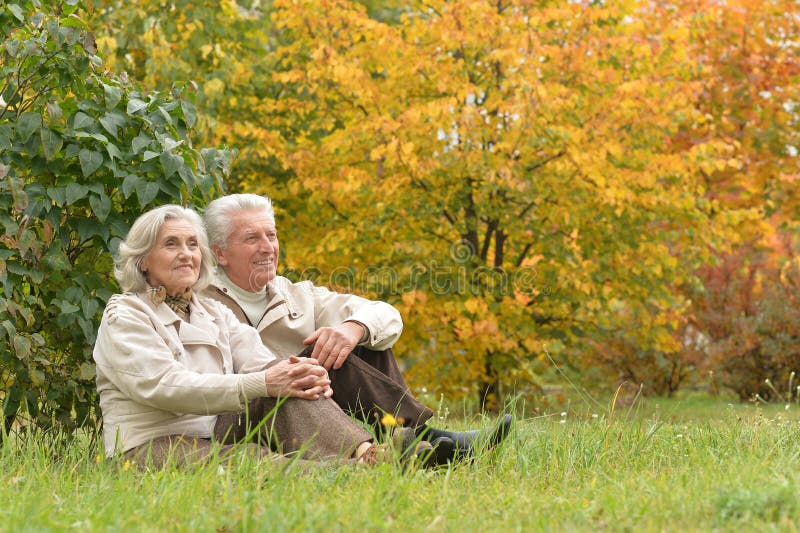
(200, 329)
(280, 305)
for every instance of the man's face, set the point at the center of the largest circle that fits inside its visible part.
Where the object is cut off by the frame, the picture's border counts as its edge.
(251, 257)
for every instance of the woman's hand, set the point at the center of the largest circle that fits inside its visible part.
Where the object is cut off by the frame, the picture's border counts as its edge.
(299, 377)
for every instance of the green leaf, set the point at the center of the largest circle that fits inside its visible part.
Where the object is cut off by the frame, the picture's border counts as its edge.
(28, 124)
(109, 123)
(75, 192)
(88, 228)
(12, 47)
(170, 162)
(189, 113)
(169, 144)
(148, 155)
(113, 95)
(73, 21)
(146, 191)
(187, 175)
(139, 142)
(134, 105)
(6, 132)
(17, 12)
(90, 161)
(57, 194)
(51, 143)
(67, 307)
(38, 339)
(54, 110)
(56, 259)
(82, 120)
(97, 136)
(101, 206)
(87, 371)
(166, 115)
(69, 7)
(22, 346)
(113, 151)
(128, 184)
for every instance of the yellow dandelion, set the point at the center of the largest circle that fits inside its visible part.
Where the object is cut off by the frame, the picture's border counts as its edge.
(389, 420)
(126, 466)
(98, 459)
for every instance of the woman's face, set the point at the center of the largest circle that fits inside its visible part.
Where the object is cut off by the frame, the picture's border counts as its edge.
(174, 260)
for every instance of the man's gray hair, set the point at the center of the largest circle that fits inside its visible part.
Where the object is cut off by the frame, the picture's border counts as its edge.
(219, 212)
(141, 239)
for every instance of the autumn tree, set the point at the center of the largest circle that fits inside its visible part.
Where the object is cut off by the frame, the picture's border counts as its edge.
(747, 136)
(523, 179)
(513, 164)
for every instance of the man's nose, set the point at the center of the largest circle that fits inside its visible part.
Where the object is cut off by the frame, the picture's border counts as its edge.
(266, 245)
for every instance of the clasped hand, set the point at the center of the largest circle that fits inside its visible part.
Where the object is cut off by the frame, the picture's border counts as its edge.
(300, 377)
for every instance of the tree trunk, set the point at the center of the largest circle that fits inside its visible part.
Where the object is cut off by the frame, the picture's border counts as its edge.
(489, 392)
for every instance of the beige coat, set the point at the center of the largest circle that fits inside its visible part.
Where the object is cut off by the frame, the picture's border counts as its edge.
(159, 376)
(296, 310)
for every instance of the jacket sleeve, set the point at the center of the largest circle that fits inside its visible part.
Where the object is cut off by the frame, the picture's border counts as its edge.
(382, 320)
(139, 362)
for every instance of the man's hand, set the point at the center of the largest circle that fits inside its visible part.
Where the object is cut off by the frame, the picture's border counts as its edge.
(334, 344)
(300, 377)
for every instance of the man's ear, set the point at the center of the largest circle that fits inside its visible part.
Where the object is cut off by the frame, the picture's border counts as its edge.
(219, 254)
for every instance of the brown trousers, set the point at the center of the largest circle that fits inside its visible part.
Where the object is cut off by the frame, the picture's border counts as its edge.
(269, 429)
(369, 384)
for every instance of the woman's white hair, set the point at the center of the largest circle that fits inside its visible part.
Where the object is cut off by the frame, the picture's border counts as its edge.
(218, 214)
(141, 239)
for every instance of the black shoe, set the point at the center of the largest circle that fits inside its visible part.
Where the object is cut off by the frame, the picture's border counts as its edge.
(444, 450)
(453, 446)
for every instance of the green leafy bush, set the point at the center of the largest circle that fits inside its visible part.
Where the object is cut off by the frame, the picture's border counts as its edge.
(82, 153)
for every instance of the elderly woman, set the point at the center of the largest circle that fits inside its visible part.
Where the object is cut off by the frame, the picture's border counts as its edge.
(179, 375)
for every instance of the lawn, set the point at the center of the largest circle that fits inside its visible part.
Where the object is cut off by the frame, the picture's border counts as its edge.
(695, 463)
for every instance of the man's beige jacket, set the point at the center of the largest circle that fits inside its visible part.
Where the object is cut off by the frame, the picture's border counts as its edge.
(295, 310)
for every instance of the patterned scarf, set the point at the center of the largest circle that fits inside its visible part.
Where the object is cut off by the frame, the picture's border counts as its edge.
(178, 303)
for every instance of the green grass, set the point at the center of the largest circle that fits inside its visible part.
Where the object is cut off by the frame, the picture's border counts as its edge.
(689, 464)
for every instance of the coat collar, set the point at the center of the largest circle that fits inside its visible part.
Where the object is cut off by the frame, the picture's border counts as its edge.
(280, 301)
(199, 330)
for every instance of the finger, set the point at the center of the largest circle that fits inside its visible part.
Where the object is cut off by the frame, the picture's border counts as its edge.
(328, 392)
(341, 358)
(312, 338)
(309, 381)
(304, 395)
(304, 383)
(326, 356)
(296, 359)
(304, 369)
(324, 343)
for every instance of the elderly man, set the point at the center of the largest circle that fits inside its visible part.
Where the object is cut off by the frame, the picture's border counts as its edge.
(349, 335)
